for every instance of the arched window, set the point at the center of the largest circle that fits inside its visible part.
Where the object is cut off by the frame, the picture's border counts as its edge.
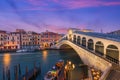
(78, 40)
(99, 48)
(66, 38)
(84, 41)
(74, 38)
(51, 44)
(70, 37)
(90, 44)
(112, 53)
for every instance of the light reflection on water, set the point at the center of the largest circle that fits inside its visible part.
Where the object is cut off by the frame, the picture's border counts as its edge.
(6, 59)
(45, 54)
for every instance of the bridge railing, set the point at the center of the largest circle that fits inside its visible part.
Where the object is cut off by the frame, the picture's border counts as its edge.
(105, 57)
(63, 38)
(105, 75)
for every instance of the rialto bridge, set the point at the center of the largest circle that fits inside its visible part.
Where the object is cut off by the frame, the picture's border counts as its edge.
(95, 49)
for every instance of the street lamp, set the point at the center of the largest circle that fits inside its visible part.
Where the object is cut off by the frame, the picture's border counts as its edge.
(69, 67)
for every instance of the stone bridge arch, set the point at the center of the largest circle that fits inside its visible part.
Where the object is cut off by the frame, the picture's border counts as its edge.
(86, 56)
(112, 53)
(90, 45)
(84, 41)
(99, 48)
(78, 40)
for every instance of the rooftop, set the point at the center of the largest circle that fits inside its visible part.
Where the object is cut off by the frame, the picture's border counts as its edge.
(50, 33)
(101, 35)
(1, 31)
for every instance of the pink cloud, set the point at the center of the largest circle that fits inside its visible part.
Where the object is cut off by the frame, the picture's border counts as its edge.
(55, 28)
(61, 30)
(47, 5)
(111, 3)
(73, 4)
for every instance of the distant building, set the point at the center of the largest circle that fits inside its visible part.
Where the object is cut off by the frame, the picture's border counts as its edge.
(82, 30)
(87, 30)
(115, 32)
(20, 30)
(49, 38)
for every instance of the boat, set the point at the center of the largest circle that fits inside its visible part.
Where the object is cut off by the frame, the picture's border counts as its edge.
(54, 72)
(25, 50)
(21, 50)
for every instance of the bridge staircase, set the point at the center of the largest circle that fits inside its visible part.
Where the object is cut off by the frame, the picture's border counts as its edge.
(116, 67)
(114, 73)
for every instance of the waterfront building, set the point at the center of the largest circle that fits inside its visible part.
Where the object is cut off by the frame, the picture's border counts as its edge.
(12, 41)
(38, 40)
(20, 30)
(22, 33)
(82, 30)
(21, 39)
(49, 38)
(115, 32)
(3, 36)
(33, 40)
(24, 40)
(29, 39)
(87, 30)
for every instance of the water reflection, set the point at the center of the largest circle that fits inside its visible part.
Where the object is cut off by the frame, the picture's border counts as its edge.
(45, 54)
(6, 59)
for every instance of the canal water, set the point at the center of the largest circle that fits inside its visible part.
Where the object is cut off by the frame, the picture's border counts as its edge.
(46, 59)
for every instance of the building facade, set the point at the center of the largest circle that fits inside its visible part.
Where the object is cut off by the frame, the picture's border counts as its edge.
(3, 36)
(30, 40)
(21, 39)
(12, 41)
(48, 39)
(115, 32)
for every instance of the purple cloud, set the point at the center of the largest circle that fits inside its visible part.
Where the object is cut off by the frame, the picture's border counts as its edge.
(54, 28)
(73, 4)
(37, 2)
(68, 4)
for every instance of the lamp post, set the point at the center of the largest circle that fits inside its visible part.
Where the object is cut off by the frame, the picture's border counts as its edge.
(69, 67)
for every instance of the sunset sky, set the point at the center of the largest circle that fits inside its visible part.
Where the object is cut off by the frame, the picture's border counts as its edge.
(59, 15)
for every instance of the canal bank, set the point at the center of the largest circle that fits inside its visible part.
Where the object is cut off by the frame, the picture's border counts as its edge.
(47, 58)
(29, 50)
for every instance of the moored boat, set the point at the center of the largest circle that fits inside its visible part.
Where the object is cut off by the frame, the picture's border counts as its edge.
(22, 50)
(25, 50)
(54, 72)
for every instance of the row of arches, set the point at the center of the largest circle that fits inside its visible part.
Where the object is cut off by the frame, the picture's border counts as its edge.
(112, 52)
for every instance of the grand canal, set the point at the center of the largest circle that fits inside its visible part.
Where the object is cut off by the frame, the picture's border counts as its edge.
(46, 59)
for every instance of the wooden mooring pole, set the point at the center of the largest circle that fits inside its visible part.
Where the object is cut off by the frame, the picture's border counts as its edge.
(26, 69)
(3, 74)
(16, 72)
(8, 74)
(34, 69)
(19, 69)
